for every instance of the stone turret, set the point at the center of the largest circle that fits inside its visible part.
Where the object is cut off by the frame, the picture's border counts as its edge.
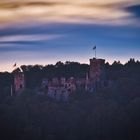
(97, 72)
(19, 81)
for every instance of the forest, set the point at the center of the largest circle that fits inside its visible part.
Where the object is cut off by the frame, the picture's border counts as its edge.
(106, 114)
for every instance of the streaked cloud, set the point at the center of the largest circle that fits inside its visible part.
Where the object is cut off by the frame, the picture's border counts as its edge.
(16, 38)
(75, 11)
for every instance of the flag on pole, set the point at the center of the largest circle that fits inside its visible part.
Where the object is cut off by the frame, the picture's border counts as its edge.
(15, 65)
(94, 47)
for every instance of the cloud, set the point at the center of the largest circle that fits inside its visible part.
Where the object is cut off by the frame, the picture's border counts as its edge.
(28, 38)
(135, 10)
(26, 42)
(74, 11)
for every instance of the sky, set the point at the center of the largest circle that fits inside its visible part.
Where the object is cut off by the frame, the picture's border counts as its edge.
(46, 31)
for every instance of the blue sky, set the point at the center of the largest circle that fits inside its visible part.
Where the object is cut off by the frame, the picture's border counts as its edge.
(45, 37)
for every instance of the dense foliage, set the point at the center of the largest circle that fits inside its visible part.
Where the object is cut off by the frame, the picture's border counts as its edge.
(102, 115)
(108, 114)
(34, 74)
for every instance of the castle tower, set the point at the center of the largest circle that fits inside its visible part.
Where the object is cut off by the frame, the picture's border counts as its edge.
(19, 81)
(97, 72)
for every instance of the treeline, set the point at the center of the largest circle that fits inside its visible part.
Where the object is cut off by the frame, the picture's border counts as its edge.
(35, 74)
(125, 75)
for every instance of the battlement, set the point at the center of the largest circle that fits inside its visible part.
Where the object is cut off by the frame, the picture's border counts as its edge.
(97, 62)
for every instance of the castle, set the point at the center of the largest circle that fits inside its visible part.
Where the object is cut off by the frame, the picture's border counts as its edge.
(19, 81)
(61, 88)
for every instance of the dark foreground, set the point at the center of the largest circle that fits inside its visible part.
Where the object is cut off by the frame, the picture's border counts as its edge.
(106, 115)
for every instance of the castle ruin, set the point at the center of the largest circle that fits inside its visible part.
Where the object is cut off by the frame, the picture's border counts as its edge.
(19, 81)
(96, 77)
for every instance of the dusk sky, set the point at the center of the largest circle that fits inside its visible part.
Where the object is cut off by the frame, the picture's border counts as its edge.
(47, 31)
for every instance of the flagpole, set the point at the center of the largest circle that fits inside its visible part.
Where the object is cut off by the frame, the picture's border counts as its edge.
(95, 52)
